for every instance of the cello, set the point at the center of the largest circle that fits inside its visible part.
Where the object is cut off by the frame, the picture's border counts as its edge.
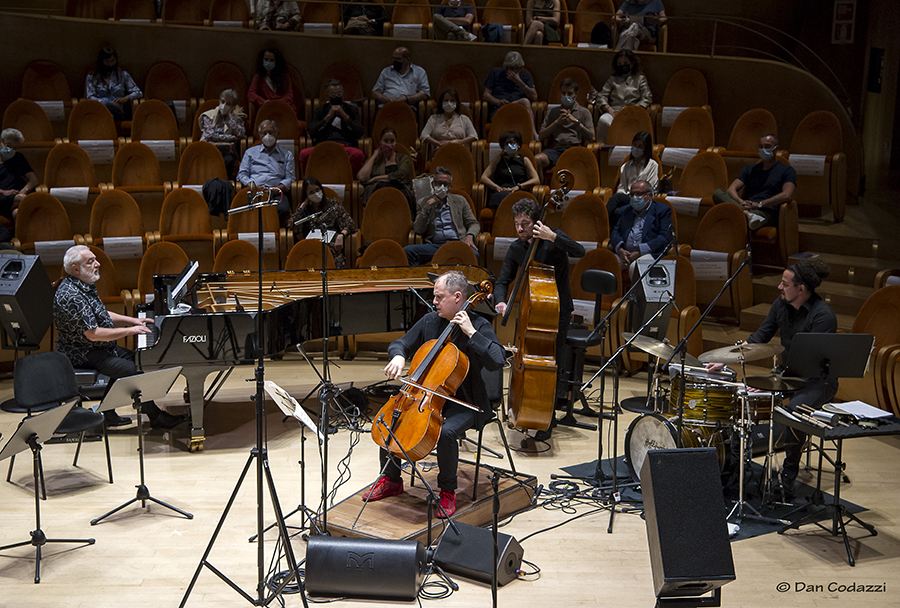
(414, 414)
(532, 383)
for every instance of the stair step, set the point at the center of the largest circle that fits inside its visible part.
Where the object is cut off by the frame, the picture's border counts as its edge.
(815, 238)
(843, 298)
(752, 318)
(854, 270)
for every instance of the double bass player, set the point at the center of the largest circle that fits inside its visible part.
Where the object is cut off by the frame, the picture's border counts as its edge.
(476, 339)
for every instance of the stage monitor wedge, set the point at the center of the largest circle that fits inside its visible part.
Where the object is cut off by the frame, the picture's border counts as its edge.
(26, 301)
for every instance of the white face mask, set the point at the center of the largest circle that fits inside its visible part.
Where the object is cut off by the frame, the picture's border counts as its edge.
(449, 106)
(316, 196)
(269, 140)
(440, 190)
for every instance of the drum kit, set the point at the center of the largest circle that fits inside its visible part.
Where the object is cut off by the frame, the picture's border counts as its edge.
(704, 403)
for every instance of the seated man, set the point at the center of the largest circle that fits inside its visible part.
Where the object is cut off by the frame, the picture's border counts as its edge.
(476, 339)
(764, 185)
(453, 21)
(402, 81)
(87, 332)
(510, 84)
(270, 165)
(565, 126)
(441, 218)
(337, 121)
(643, 228)
(638, 21)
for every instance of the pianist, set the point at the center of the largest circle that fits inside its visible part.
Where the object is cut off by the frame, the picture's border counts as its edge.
(87, 332)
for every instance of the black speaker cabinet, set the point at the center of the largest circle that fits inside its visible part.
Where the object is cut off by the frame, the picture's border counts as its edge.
(26, 301)
(364, 568)
(471, 553)
(690, 553)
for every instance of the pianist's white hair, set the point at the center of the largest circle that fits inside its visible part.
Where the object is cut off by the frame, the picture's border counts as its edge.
(73, 256)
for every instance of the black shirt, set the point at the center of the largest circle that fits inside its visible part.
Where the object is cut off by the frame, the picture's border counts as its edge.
(13, 172)
(554, 254)
(510, 172)
(76, 309)
(761, 184)
(347, 134)
(814, 315)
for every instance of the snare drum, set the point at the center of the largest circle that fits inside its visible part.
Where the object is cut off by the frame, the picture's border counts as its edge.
(760, 406)
(706, 403)
(654, 432)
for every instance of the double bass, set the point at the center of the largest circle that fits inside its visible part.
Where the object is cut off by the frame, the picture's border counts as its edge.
(414, 414)
(532, 384)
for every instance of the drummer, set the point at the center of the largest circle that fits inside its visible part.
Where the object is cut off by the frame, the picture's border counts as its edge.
(798, 309)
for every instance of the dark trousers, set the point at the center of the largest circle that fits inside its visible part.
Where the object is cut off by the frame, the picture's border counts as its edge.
(563, 356)
(457, 419)
(118, 363)
(816, 393)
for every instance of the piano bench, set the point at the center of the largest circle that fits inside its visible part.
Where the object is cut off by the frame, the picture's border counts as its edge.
(92, 384)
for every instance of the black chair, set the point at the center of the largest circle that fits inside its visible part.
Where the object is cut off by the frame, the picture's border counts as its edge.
(493, 382)
(601, 283)
(45, 380)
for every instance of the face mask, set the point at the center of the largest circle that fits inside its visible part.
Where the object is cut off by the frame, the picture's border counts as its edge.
(441, 190)
(638, 203)
(387, 149)
(449, 106)
(316, 196)
(567, 100)
(455, 2)
(397, 65)
(636, 152)
(622, 70)
(7, 153)
(511, 149)
(766, 154)
(269, 65)
(269, 140)
(224, 109)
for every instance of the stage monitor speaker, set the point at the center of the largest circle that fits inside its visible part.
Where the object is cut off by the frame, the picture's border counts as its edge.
(652, 294)
(26, 301)
(690, 553)
(364, 568)
(471, 552)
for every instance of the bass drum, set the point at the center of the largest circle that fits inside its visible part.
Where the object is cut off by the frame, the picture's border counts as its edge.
(654, 432)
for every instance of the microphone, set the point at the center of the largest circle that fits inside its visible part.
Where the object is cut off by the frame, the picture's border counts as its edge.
(251, 192)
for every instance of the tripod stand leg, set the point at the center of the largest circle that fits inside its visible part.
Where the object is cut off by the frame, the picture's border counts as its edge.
(94, 522)
(168, 506)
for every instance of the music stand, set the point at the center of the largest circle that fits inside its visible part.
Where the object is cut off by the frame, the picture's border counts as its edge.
(30, 433)
(822, 355)
(134, 389)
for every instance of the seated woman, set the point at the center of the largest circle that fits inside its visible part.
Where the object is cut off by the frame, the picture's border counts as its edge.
(112, 86)
(640, 167)
(448, 124)
(271, 80)
(362, 18)
(509, 171)
(277, 15)
(387, 168)
(542, 21)
(313, 201)
(626, 87)
(223, 126)
(17, 178)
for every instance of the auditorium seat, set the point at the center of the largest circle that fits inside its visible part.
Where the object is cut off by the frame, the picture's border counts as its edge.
(503, 232)
(607, 191)
(224, 75)
(580, 76)
(45, 83)
(43, 228)
(383, 253)
(692, 132)
(400, 117)
(167, 82)
(507, 13)
(354, 91)
(582, 164)
(117, 229)
(774, 245)
(185, 222)
(185, 12)
(687, 88)
(307, 255)
(154, 124)
(328, 162)
(30, 119)
(229, 13)
(70, 177)
(454, 253)
(743, 144)
(509, 117)
(236, 256)
(599, 259)
(628, 122)
(201, 161)
(410, 19)
(320, 18)
(160, 258)
(588, 14)
(134, 10)
(245, 226)
(136, 171)
(289, 132)
(701, 177)
(90, 9)
(386, 216)
(462, 78)
(819, 135)
(585, 220)
(92, 127)
(457, 159)
(299, 92)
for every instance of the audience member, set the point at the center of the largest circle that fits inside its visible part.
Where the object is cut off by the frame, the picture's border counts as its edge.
(565, 126)
(402, 81)
(639, 167)
(271, 80)
(510, 84)
(362, 18)
(542, 19)
(441, 218)
(17, 178)
(453, 21)
(448, 125)
(277, 15)
(626, 87)
(337, 121)
(269, 165)
(313, 201)
(509, 171)
(764, 185)
(223, 126)
(638, 21)
(387, 168)
(111, 85)
(643, 228)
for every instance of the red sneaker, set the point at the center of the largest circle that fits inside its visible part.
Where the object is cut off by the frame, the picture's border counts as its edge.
(447, 504)
(383, 487)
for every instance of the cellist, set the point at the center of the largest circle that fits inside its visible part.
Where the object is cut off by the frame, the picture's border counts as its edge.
(477, 340)
(554, 248)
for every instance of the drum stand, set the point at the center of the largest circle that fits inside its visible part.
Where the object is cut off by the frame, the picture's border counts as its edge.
(772, 481)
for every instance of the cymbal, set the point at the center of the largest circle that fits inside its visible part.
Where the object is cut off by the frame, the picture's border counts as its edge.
(742, 352)
(775, 383)
(659, 349)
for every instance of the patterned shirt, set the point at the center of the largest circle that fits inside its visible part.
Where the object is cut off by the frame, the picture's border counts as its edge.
(215, 127)
(76, 309)
(121, 84)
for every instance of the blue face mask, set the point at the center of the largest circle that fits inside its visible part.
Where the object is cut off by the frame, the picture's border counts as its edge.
(766, 154)
(636, 152)
(7, 153)
(511, 149)
(638, 203)
(567, 101)
(269, 65)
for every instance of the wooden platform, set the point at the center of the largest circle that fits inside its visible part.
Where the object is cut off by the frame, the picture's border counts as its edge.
(405, 517)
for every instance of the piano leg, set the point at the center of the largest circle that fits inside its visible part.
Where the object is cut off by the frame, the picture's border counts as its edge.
(195, 379)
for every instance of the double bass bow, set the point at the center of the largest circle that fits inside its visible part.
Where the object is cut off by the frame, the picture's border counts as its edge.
(414, 414)
(532, 385)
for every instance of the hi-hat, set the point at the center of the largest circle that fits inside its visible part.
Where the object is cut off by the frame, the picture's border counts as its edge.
(659, 349)
(775, 383)
(741, 352)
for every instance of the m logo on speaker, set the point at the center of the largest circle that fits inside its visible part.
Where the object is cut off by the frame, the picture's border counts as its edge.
(360, 560)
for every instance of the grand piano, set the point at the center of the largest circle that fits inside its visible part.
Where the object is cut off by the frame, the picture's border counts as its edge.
(218, 330)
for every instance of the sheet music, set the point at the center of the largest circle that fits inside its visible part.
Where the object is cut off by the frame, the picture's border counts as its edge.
(317, 234)
(287, 404)
(860, 409)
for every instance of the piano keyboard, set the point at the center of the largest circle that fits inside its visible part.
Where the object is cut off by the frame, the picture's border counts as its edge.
(147, 340)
